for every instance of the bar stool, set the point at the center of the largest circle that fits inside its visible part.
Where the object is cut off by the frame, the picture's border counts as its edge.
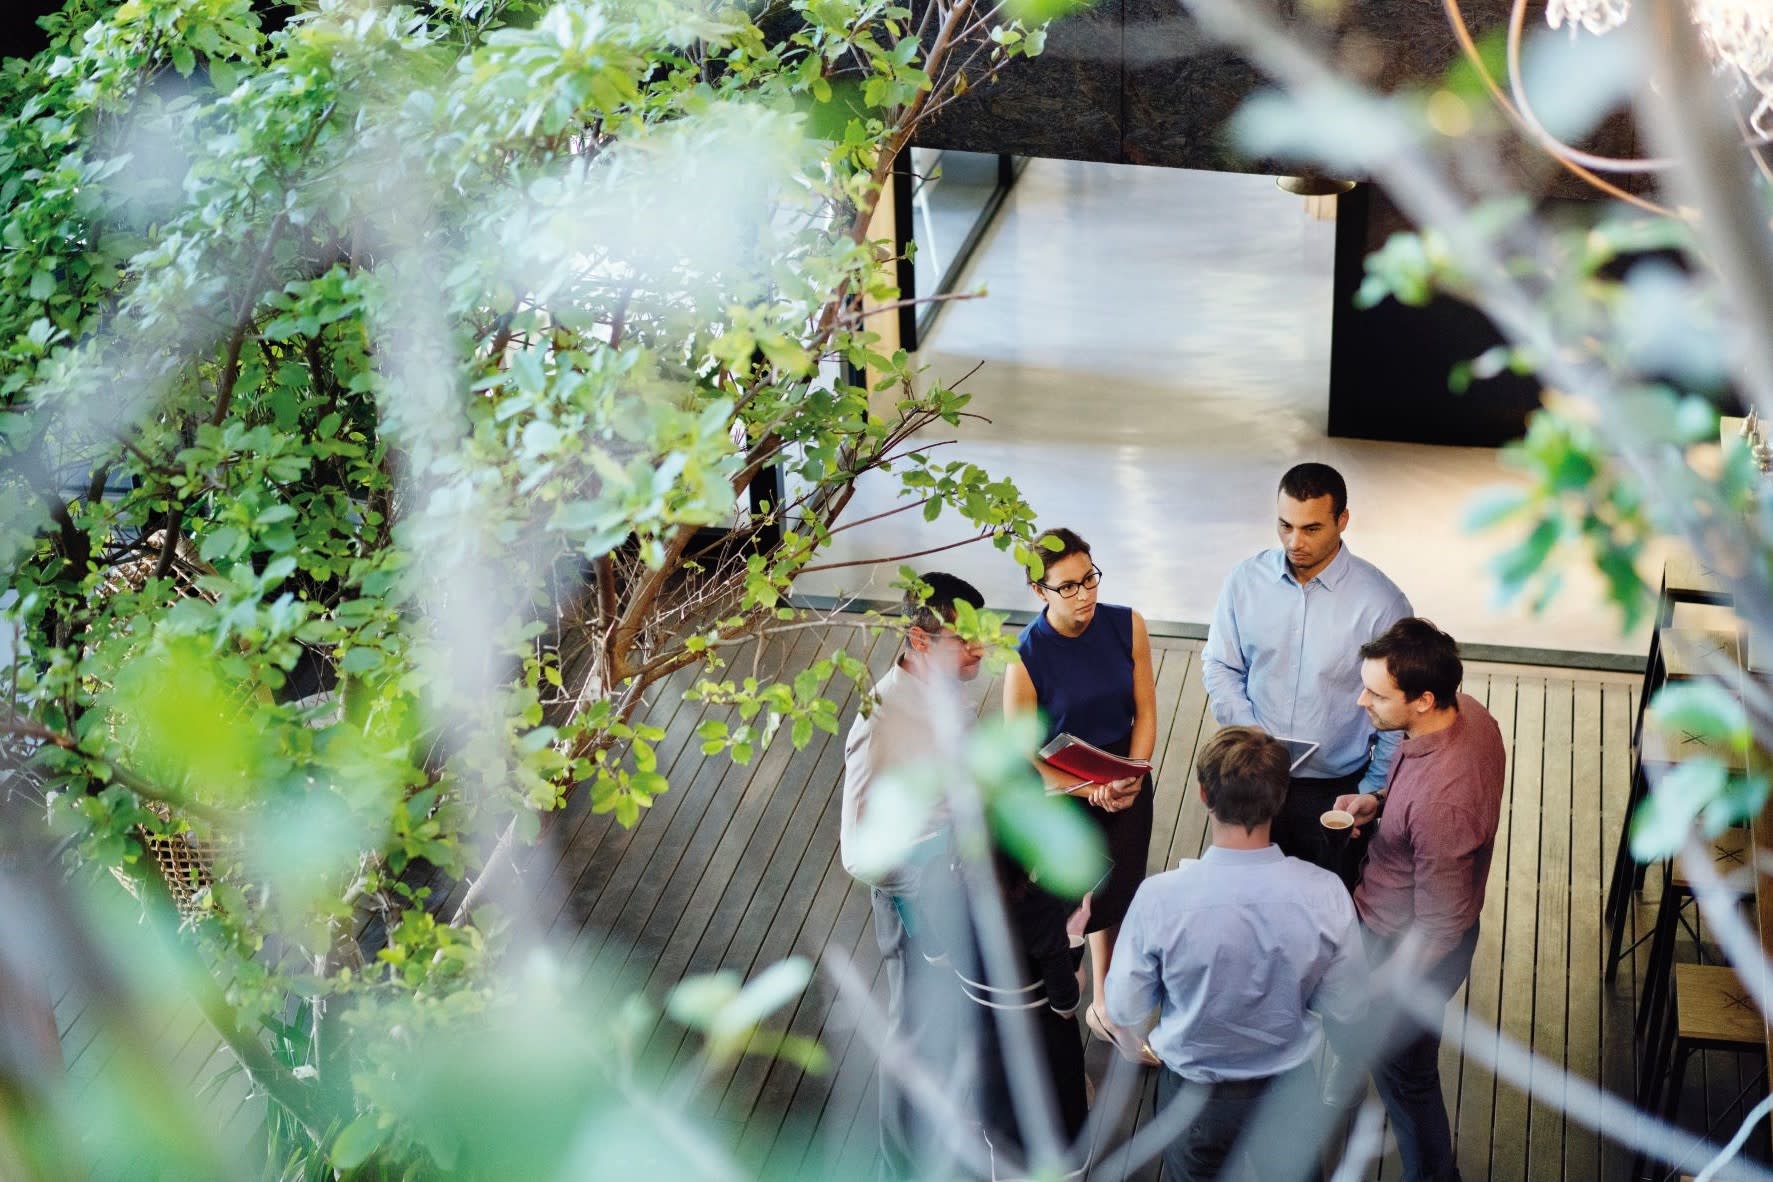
(1729, 850)
(1685, 580)
(1712, 1011)
(1675, 654)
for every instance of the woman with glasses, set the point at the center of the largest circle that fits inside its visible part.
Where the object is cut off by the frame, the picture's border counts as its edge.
(1087, 667)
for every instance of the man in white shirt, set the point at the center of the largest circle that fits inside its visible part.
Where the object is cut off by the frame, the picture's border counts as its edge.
(897, 732)
(1246, 953)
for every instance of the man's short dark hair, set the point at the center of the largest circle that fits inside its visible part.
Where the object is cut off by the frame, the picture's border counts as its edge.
(936, 612)
(1069, 543)
(1421, 659)
(1308, 482)
(1244, 773)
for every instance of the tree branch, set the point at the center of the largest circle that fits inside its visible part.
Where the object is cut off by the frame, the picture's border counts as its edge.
(622, 637)
(979, 537)
(28, 729)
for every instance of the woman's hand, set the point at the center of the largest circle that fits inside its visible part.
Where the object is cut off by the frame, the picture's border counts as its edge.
(1116, 794)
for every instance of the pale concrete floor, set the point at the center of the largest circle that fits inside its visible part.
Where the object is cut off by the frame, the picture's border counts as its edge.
(1156, 353)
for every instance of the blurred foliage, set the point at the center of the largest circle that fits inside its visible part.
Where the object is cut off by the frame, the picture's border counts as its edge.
(1623, 311)
(381, 391)
(1702, 790)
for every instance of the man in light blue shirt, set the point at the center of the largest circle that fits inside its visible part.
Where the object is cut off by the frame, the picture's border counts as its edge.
(1283, 654)
(1246, 954)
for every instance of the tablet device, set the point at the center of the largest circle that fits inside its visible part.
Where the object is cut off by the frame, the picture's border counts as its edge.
(1299, 750)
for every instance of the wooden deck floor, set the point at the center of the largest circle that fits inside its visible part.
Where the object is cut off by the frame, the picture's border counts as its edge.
(736, 868)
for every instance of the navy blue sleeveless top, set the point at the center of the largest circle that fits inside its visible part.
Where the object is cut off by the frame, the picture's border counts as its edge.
(1084, 683)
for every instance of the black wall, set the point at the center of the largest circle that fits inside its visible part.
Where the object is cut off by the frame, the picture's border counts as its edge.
(1389, 364)
(1134, 82)
(19, 34)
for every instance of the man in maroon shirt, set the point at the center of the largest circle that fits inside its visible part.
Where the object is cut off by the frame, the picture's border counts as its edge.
(1429, 862)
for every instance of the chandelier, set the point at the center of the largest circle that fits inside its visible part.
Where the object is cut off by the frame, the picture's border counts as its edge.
(1738, 34)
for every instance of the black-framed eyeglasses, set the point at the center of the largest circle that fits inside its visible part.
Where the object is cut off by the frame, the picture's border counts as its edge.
(1070, 590)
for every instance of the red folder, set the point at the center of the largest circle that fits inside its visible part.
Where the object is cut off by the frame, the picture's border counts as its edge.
(1071, 754)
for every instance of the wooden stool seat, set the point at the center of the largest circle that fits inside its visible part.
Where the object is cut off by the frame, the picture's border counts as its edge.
(1729, 850)
(1666, 746)
(1714, 1007)
(1685, 579)
(1694, 652)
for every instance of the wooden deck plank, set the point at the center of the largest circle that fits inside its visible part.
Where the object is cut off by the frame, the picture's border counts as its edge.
(799, 881)
(591, 853)
(713, 915)
(836, 917)
(1194, 726)
(840, 1108)
(1508, 1146)
(1176, 671)
(760, 1089)
(848, 1121)
(1618, 1048)
(1172, 826)
(570, 846)
(1589, 850)
(702, 896)
(1551, 1032)
(622, 925)
(1472, 1118)
(576, 878)
(1457, 1017)
(600, 907)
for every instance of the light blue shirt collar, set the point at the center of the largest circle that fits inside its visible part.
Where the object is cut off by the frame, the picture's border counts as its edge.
(1218, 853)
(1329, 576)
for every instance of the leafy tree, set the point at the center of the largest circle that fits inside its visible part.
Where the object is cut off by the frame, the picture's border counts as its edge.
(382, 385)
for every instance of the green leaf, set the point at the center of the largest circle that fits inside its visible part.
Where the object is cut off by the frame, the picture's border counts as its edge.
(1493, 506)
(696, 1001)
(1705, 708)
(1663, 821)
(1039, 12)
(358, 1142)
(768, 992)
(1053, 838)
(1516, 565)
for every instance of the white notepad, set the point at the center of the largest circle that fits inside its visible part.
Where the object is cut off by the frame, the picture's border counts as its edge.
(1299, 749)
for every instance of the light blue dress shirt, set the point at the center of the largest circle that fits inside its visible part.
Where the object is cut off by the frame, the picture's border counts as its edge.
(1287, 658)
(1243, 953)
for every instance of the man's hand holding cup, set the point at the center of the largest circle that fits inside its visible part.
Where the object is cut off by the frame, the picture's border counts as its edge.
(1362, 806)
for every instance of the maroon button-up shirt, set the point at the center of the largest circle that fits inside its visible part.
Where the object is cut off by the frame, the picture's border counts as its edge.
(1430, 861)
